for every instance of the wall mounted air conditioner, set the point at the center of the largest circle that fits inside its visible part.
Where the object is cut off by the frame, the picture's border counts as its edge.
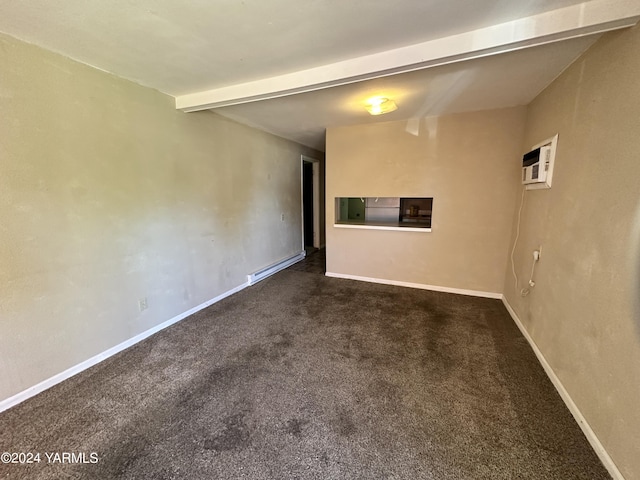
(537, 165)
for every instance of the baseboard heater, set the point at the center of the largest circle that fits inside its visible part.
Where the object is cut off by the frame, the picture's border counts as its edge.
(254, 278)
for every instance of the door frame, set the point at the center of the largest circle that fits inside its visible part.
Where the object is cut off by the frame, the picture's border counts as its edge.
(316, 198)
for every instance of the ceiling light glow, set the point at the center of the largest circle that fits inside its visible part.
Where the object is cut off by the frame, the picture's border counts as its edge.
(380, 105)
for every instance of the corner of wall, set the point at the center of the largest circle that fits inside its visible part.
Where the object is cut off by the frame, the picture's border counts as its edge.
(593, 439)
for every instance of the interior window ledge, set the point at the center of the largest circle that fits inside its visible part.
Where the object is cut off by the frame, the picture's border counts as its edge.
(397, 228)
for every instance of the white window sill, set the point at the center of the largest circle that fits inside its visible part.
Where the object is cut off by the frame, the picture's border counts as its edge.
(397, 228)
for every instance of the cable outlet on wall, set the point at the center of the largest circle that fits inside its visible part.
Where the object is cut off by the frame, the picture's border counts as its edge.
(537, 254)
(142, 304)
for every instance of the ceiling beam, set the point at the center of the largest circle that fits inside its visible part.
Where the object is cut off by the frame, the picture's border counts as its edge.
(587, 18)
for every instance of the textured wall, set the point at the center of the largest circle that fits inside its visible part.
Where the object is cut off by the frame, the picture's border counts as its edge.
(467, 162)
(109, 195)
(580, 312)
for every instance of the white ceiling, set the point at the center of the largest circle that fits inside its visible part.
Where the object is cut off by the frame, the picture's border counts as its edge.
(497, 81)
(195, 47)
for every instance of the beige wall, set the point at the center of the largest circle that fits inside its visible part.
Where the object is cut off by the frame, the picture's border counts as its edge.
(580, 312)
(108, 195)
(467, 162)
(323, 202)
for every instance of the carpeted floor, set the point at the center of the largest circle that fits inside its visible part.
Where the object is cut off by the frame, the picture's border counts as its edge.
(315, 262)
(307, 377)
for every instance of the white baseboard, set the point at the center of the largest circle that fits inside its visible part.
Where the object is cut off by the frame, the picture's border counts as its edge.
(422, 286)
(50, 382)
(606, 460)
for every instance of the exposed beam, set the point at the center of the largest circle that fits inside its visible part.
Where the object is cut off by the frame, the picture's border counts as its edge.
(587, 18)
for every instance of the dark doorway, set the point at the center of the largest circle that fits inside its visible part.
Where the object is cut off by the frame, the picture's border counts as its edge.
(307, 203)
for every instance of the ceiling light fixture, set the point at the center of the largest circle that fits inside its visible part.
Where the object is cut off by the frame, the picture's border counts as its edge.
(380, 105)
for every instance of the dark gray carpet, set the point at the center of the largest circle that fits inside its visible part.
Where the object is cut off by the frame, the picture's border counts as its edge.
(314, 262)
(303, 376)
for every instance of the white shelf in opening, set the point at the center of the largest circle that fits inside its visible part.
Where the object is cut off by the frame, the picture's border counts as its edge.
(396, 228)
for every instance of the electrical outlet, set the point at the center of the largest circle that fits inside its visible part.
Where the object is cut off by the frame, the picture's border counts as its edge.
(282, 217)
(142, 304)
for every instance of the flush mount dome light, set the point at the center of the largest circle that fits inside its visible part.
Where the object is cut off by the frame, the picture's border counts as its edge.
(380, 105)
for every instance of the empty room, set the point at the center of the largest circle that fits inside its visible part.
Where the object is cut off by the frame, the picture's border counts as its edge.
(320, 240)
